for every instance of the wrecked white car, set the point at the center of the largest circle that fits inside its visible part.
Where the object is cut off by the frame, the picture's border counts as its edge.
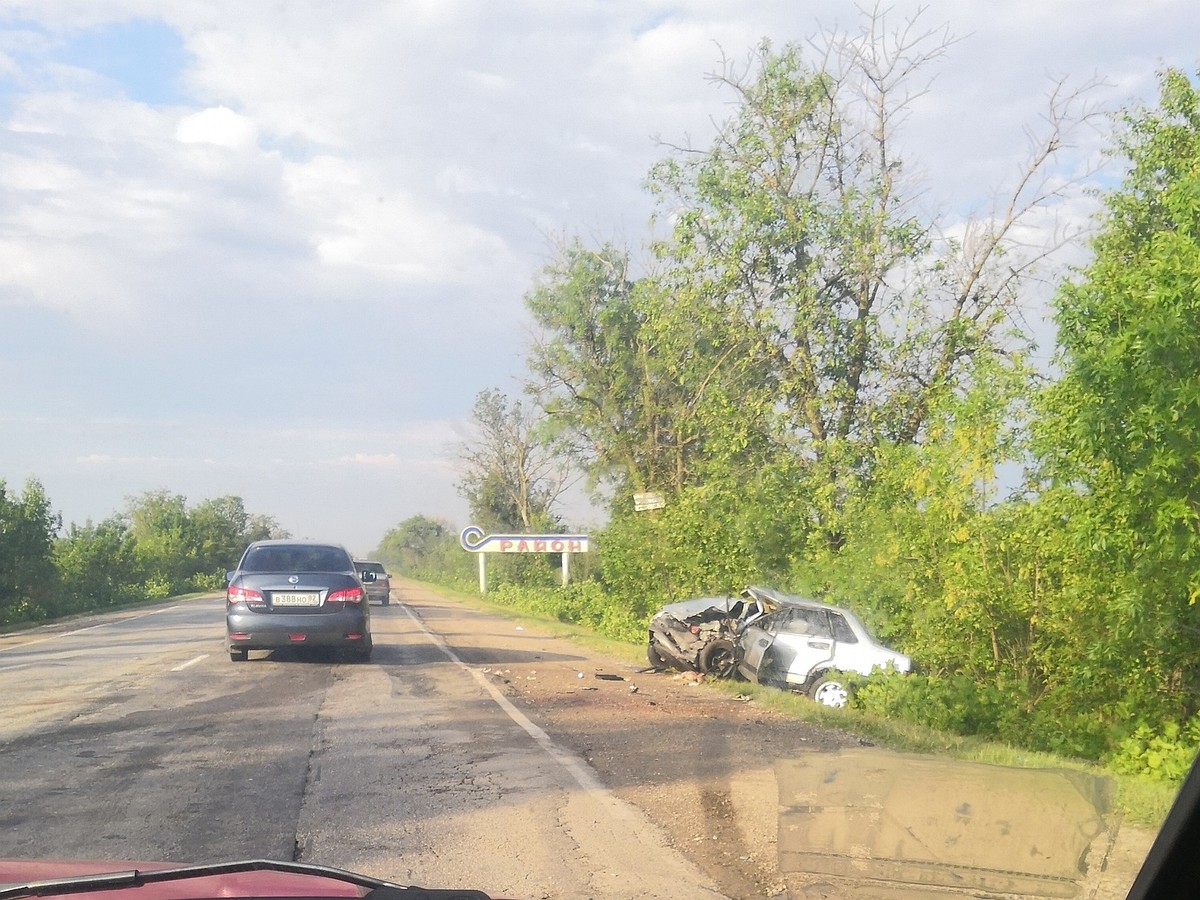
(803, 644)
(700, 635)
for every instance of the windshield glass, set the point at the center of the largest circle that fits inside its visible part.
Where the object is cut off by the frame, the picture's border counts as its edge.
(780, 466)
(298, 558)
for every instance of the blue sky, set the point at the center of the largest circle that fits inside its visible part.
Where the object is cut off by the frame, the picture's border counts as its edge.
(275, 250)
(144, 58)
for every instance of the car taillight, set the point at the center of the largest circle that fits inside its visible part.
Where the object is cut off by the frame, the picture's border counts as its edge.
(349, 595)
(242, 595)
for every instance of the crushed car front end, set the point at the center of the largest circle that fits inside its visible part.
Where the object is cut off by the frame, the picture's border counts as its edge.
(700, 635)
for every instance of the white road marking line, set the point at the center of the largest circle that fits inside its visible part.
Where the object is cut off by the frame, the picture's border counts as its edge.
(583, 774)
(190, 663)
(14, 668)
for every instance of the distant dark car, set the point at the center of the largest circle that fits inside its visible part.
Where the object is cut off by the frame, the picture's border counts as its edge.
(381, 588)
(297, 594)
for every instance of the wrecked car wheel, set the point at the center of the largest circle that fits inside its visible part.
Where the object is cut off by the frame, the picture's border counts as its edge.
(718, 659)
(655, 658)
(829, 692)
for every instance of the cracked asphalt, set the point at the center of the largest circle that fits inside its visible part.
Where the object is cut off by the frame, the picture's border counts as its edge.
(470, 752)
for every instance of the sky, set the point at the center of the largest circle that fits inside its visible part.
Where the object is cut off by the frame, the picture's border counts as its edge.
(276, 250)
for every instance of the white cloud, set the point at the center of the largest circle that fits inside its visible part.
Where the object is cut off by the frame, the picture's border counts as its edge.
(218, 125)
(342, 208)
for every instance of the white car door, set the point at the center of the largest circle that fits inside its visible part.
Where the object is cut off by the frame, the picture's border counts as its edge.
(803, 643)
(788, 644)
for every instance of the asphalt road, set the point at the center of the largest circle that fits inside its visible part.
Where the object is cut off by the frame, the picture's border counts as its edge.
(470, 752)
(134, 737)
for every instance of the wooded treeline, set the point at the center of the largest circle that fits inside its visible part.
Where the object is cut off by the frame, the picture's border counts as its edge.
(833, 391)
(157, 547)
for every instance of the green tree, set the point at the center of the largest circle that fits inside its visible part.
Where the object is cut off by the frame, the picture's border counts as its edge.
(802, 321)
(263, 528)
(1119, 438)
(513, 474)
(27, 529)
(421, 547)
(185, 549)
(800, 225)
(98, 566)
(623, 370)
(158, 523)
(217, 535)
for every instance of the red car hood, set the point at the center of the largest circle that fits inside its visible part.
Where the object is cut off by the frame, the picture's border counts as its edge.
(231, 884)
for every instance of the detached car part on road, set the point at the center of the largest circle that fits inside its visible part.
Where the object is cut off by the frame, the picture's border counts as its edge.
(803, 644)
(297, 594)
(701, 635)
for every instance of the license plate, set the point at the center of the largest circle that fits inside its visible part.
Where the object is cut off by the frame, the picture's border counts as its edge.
(295, 599)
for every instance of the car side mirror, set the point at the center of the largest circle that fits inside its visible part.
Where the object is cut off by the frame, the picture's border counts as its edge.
(229, 575)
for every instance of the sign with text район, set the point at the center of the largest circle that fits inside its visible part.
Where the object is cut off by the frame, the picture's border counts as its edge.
(474, 540)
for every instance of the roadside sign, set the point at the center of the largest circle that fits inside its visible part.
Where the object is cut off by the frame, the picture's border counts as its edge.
(473, 540)
(647, 500)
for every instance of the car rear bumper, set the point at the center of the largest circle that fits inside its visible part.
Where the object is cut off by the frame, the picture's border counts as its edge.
(268, 631)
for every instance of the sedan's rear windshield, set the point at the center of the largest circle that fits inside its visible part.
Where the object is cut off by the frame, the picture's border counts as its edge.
(289, 558)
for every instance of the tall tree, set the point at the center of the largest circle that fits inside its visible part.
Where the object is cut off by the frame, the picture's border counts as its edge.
(27, 529)
(801, 222)
(419, 545)
(512, 474)
(623, 370)
(803, 312)
(1120, 432)
(98, 565)
(158, 523)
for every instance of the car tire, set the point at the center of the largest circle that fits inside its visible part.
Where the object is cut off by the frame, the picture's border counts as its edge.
(363, 656)
(829, 690)
(654, 657)
(386, 601)
(719, 659)
(238, 655)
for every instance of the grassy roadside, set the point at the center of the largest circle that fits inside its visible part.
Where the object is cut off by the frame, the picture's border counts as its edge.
(1140, 801)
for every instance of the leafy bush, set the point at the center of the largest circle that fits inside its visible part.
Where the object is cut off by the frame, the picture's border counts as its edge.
(956, 703)
(580, 604)
(1163, 754)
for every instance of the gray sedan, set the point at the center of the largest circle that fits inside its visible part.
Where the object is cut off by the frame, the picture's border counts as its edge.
(297, 594)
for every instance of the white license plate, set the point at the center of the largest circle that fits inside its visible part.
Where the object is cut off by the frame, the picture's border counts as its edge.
(296, 599)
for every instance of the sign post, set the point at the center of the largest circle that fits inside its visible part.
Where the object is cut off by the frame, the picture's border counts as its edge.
(473, 540)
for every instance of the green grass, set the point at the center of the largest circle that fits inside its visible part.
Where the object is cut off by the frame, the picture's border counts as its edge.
(1140, 801)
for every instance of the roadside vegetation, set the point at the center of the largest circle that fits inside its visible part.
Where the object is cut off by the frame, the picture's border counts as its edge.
(834, 393)
(157, 547)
